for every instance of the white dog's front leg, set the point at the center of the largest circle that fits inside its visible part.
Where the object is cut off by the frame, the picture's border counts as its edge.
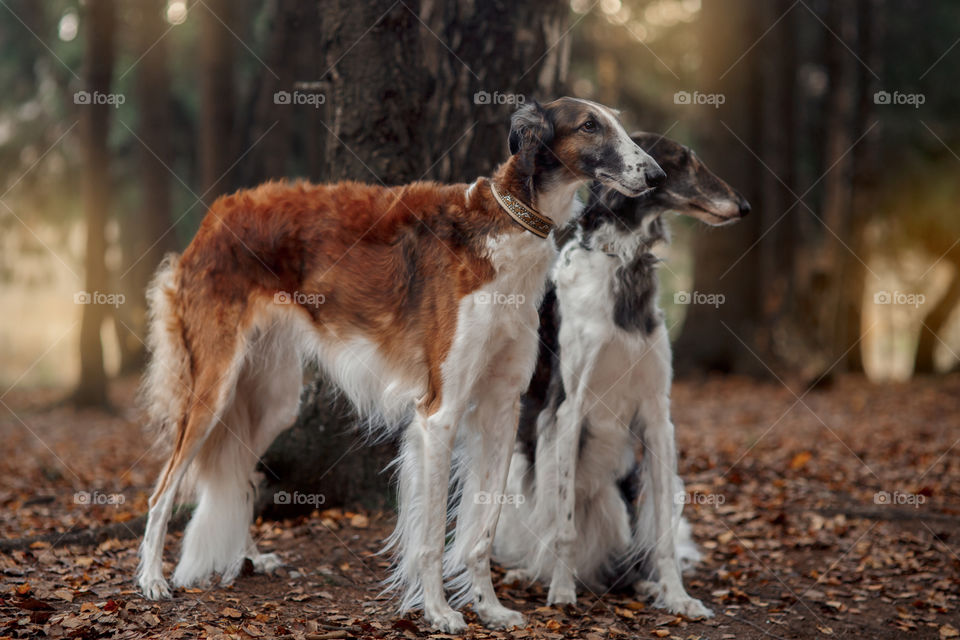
(438, 435)
(563, 588)
(661, 450)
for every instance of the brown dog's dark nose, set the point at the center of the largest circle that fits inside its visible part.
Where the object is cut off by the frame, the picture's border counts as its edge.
(744, 207)
(655, 176)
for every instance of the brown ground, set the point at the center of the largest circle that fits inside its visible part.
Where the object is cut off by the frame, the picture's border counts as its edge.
(798, 548)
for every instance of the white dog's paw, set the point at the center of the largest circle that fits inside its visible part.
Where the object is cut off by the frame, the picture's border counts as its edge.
(445, 620)
(266, 562)
(565, 594)
(498, 616)
(687, 606)
(154, 587)
(516, 575)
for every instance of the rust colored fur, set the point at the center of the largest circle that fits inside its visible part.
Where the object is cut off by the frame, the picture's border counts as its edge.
(390, 263)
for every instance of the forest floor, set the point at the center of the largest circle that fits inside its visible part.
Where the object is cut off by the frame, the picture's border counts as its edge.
(834, 515)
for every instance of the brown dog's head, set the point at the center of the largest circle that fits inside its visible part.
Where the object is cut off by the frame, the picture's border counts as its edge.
(571, 141)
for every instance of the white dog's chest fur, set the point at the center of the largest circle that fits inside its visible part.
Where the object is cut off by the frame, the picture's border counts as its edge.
(632, 367)
(502, 314)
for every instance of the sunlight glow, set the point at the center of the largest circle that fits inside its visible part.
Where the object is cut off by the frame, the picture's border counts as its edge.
(176, 11)
(68, 27)
(610, 7)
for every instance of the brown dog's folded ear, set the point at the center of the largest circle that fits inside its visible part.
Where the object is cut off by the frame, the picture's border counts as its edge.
(531, 131)
(530, 128)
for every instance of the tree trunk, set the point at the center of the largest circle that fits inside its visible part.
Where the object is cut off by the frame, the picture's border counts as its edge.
(148, 229)
(934, 323)
(484, 58)
(398, 108)
(725, 261)
(833, 261)
(217, 97)
(100, 31)
(374, 108)
(778, 148)
(866, 168)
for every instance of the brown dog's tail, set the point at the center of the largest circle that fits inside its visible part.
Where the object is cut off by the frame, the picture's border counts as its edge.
(165, 388)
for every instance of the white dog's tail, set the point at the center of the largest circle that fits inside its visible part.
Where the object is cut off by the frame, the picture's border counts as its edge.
(166, 383)
(632, 564)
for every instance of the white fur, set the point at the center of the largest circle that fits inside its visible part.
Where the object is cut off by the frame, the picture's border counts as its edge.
(573, 519)
(487, 369)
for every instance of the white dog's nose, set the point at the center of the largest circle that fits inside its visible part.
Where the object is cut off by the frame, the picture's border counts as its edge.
(654, 175)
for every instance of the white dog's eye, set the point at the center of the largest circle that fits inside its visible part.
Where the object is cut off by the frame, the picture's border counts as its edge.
(589, 126)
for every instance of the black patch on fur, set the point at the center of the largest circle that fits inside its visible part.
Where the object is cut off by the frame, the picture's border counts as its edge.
(635, 295)
(546, 387)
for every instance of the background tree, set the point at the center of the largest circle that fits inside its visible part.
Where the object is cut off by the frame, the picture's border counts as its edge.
(98, 74)
(218, 96)
(146, 231)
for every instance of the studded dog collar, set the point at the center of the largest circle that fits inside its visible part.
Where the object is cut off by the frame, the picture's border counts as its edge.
(530, 219)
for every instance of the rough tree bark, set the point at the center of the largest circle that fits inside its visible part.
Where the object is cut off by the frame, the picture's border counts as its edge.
(373, 116)
(483, 57)
(400, 107)
(98, 73)
(147, 230)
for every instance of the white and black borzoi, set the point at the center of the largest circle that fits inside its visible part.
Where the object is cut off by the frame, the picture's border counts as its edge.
(389, 290)
(589, 511)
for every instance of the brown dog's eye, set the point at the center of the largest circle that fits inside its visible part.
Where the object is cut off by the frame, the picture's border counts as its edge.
(589, 126)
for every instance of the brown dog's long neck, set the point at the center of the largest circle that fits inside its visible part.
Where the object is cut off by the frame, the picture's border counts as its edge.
(553, 198)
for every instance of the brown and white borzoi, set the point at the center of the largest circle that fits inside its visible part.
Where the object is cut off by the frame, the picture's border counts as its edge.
(393, 291)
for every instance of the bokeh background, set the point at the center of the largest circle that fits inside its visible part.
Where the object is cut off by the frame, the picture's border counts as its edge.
(816, 342)
(836, 119)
